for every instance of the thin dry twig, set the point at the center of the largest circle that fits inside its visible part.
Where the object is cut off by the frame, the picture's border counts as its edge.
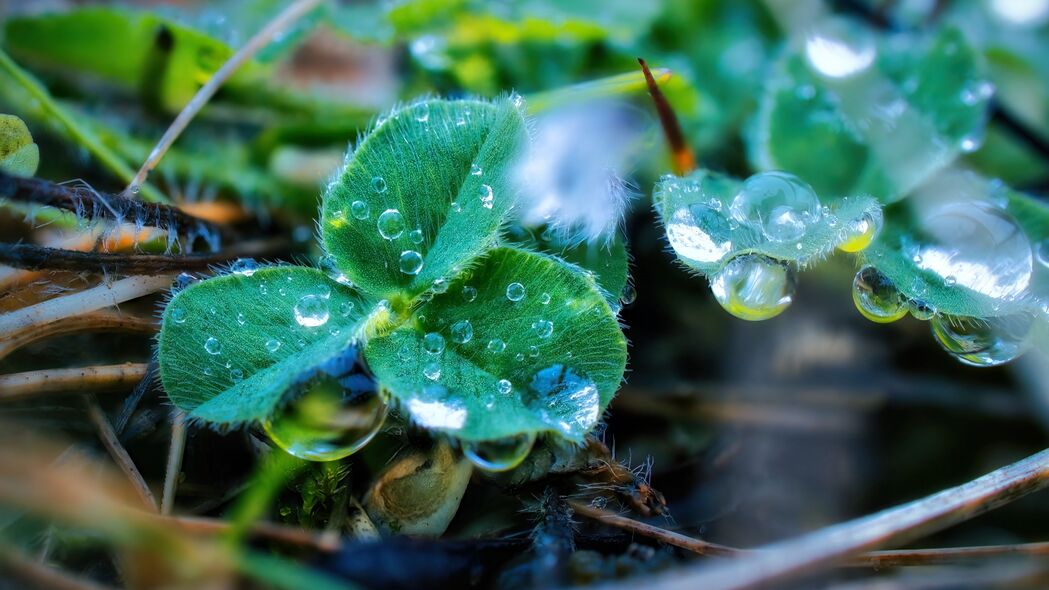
(286, 18)
(785, 560)
(119, 453)
(178, 445)
(681, 155)
(265, 530)
(93, 299)
(33, 257)
(943, 555)
(19, 386)
(660, 534)
(103, 320)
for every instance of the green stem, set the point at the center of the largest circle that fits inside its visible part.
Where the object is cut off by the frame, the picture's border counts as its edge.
(73, 130)
(616, 85)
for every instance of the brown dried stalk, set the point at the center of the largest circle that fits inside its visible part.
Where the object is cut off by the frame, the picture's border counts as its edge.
(19, 386)
(97, 321)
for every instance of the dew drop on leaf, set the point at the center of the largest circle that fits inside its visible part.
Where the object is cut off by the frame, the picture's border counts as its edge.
(390, 224)
(416, 236)
(629, 295)
(861, 232)
(462, 332)
(486, 195)
(469, 293)
(273, 345)
(504, 386)
(345, 308)
(922, 310)
(980, 342)
(379, 184)
(753, 287)
(699, 233)
(334, 414)
(781, 205)
(432, 370)
(410, 262)
(543, 328)
(244, 267)
(544, 298)
(439, 286)
(501, 454)
(311, 311)
(515, 291)
(360, 210)
(876, 297)
(496, 345)
(236, 375)
(433, 343)
(178, 315)
(241, 319)
(565, 399)
(212, 345)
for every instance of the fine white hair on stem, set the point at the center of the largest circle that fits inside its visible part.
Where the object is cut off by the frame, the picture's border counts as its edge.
(573, 177)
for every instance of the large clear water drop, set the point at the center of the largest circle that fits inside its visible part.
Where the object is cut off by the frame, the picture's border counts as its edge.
(699, 232)
(781, 205)
(311, 311)
(754, 287)
(462, 332)
(876, 297)
(410, 262)
(982, 342)
(501, 454)
(859, 233)
(390, 224)
(565, 399)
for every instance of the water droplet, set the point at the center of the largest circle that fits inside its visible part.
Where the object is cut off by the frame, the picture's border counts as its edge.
(496, 345)
(504, 386)
(411, 262)
(501, 454)
(178, 315)
(390, 224)
(379, 184)
(982, 343)
(566, 400)
(486, 195)
(244, 267)
(699, 233)
(876, 297)
(978, 244)
(263, 288)
(475, 170)
(311, 311)
(335, 415)
(543, 328)
(533, 351)
(236, 375)
(515, 291)
(273, 345)
(416, 236)
(922, 310)
(861, 232)
(241, 319)
(432, 370)
(469, 293)
(439, 286)
(629, 295)
(780, 204)
(456, 207)
(212, 345)
(519, 357)
(346, 308)
(544, 298)
(404, 353)
(753, 287)
(360, 210)
(182, 281)
(433, 343)
(838, 49)
(462, 332)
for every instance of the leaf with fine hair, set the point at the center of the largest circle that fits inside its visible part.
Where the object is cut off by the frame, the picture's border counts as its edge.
(18, 154)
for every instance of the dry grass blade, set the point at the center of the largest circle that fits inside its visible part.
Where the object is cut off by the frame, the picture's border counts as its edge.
(32, 257)
(36, 575)
(18, 386)
(119, 453)
(104, 320)
(178, 445)
(647, 530)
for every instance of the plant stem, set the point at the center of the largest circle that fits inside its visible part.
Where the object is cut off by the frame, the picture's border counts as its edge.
(175, 451)
(31, 257)
(18, 386)
(779, 562)
(94, 321)
(681, 155)
(77, 133)
(669, 537)
(616, 85)
(119, 453)
(283, 20)
(95, 298)
(19, 566)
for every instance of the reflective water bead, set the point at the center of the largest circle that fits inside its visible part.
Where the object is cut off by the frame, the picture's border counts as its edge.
(182, 281)
(416, 236)
(346, 308)
(390, 224)
(433, 343)
(876, 297)
(410, 262)
(244, 267)
(432, 370)
(178, 315)
(515, 291)
(980, 342)
(501, 454)
(462, 332)
(754, 287)
(519, 357)
(838, 49)
(475, 170)
(273, 345)
(565, 399)
(439, 286)
(379, 184)
(456, 207)
(496, 345)
(700, 233)
(861, 232)
(533, 351)
(980, 245)
(336, 416)
(544, 298)
(360, 210)
(236, 375)
(504, 386)
(629, 295)
(543, 328)
(922, 310)
(241, 319)
(782, 205)
(311, 311)
(486, 195)
(212, 345)
(469, 293)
